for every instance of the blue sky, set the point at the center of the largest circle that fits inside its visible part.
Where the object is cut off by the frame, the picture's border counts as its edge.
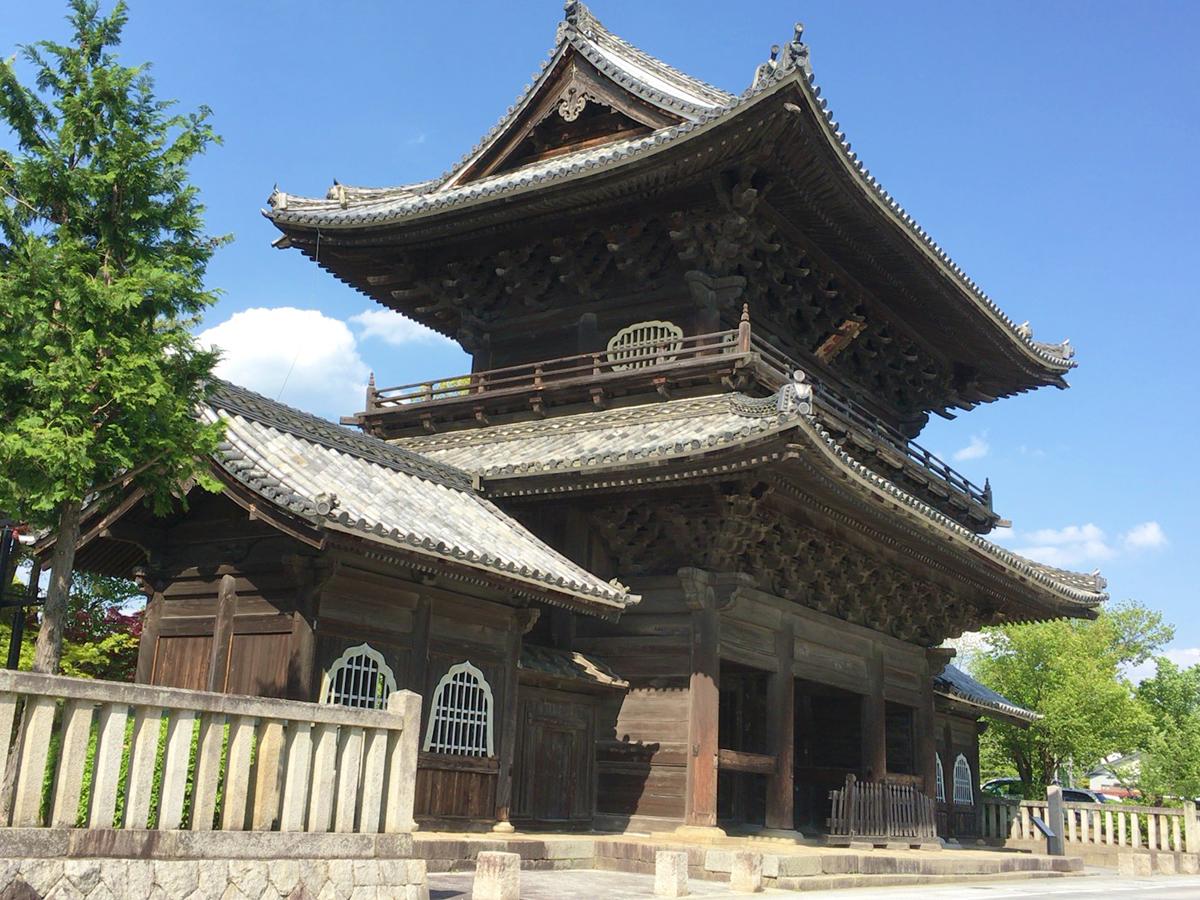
(1048, 147)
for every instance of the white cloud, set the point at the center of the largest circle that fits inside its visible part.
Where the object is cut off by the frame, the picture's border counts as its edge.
(394, 329)
(300, 356)
(1181, 656)
(1071, 546)
(1147, 536)
(1075, 546)
(978, 448)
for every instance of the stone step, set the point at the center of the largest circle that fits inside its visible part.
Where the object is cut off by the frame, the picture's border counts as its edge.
(842, 882)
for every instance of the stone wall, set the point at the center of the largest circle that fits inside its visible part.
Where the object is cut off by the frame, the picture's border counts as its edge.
(108, 865)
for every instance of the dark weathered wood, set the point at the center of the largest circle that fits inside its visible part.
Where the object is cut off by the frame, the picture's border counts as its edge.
(148, 642)
(703, 705)
(743, 761)
(873, 809)
(781, 688)
(508, 723)
(874, 721)
(222, 640)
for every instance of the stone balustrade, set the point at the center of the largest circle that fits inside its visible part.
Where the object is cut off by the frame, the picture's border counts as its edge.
(1102, 824)
(107, 755)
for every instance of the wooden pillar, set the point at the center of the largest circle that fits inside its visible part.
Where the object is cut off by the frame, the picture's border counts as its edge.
(700, 807)
(418, 657)
(523, 620)
(874, 720)
(148, 642)
(926, 725)
(218, 668)
(781, 710)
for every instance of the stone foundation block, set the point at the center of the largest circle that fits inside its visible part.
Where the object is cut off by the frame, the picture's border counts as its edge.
(746, 876)
(1188, 863)
(497, 876)
(670, 873)
(1164, 864)
(1133, 864)
(718, 860)
(799, 866)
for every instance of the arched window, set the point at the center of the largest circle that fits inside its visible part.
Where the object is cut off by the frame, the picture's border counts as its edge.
(644, 344)
(460, 720)
(963, 792)
(941, 779)
(359, 678)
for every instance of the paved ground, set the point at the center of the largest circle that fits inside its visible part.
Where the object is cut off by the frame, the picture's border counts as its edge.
(597, 885)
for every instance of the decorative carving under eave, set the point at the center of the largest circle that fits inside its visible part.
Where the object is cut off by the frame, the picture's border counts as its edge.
(736, 532)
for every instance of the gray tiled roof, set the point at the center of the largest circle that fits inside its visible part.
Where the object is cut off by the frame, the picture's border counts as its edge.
(701, 106)
(956, 684)
(342, 480)
(655, 431)
(677, 429)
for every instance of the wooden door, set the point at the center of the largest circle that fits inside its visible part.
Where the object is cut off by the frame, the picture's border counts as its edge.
(554, 774)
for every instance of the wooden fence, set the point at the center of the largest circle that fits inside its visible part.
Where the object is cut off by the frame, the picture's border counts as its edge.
(1109, 824)
(882, 810)
(101, 754)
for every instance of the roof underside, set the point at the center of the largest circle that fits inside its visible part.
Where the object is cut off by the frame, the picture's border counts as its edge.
(781, 111)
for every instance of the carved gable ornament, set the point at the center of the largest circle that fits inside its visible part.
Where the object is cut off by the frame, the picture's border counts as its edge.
(576, 107)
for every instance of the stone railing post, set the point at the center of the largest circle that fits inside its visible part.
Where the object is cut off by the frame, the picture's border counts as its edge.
(1055, 845)
(1191, 827)
(402, 770)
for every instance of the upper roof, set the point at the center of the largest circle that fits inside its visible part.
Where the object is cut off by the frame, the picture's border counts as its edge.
(695, 109)
(955, 684)
(622, 441)
(342, 480)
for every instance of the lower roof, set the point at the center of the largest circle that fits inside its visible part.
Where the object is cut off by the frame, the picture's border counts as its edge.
(343, 481)
(955, 684)
(626, 441)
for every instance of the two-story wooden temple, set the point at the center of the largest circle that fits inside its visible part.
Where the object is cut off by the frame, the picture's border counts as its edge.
(704, 339)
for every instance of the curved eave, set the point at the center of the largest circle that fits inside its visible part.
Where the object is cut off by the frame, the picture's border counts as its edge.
(1055, 597)
(1060, 598)
(1014, 714)
(594, 164)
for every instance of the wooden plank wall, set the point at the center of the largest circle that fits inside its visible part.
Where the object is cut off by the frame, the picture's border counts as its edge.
(642, 740)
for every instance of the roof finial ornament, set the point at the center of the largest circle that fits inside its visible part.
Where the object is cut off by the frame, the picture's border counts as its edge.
(797, 49)
(577, 15)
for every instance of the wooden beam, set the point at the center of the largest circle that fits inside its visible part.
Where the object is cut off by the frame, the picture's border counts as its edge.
(742, 761)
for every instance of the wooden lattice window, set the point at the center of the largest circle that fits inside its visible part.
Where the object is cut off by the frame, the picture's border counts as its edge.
(644, 344)
(460, 720)
(963, 792)
(941, 779)
(359, 678)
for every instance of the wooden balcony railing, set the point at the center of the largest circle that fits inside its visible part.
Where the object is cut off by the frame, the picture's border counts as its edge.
(655, 363)
(651, 358)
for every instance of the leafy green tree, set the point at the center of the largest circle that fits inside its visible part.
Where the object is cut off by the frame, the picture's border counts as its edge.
(1171, 763)
(1172, 694)
(1069, 671)
(102, 260)
(104, 626)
